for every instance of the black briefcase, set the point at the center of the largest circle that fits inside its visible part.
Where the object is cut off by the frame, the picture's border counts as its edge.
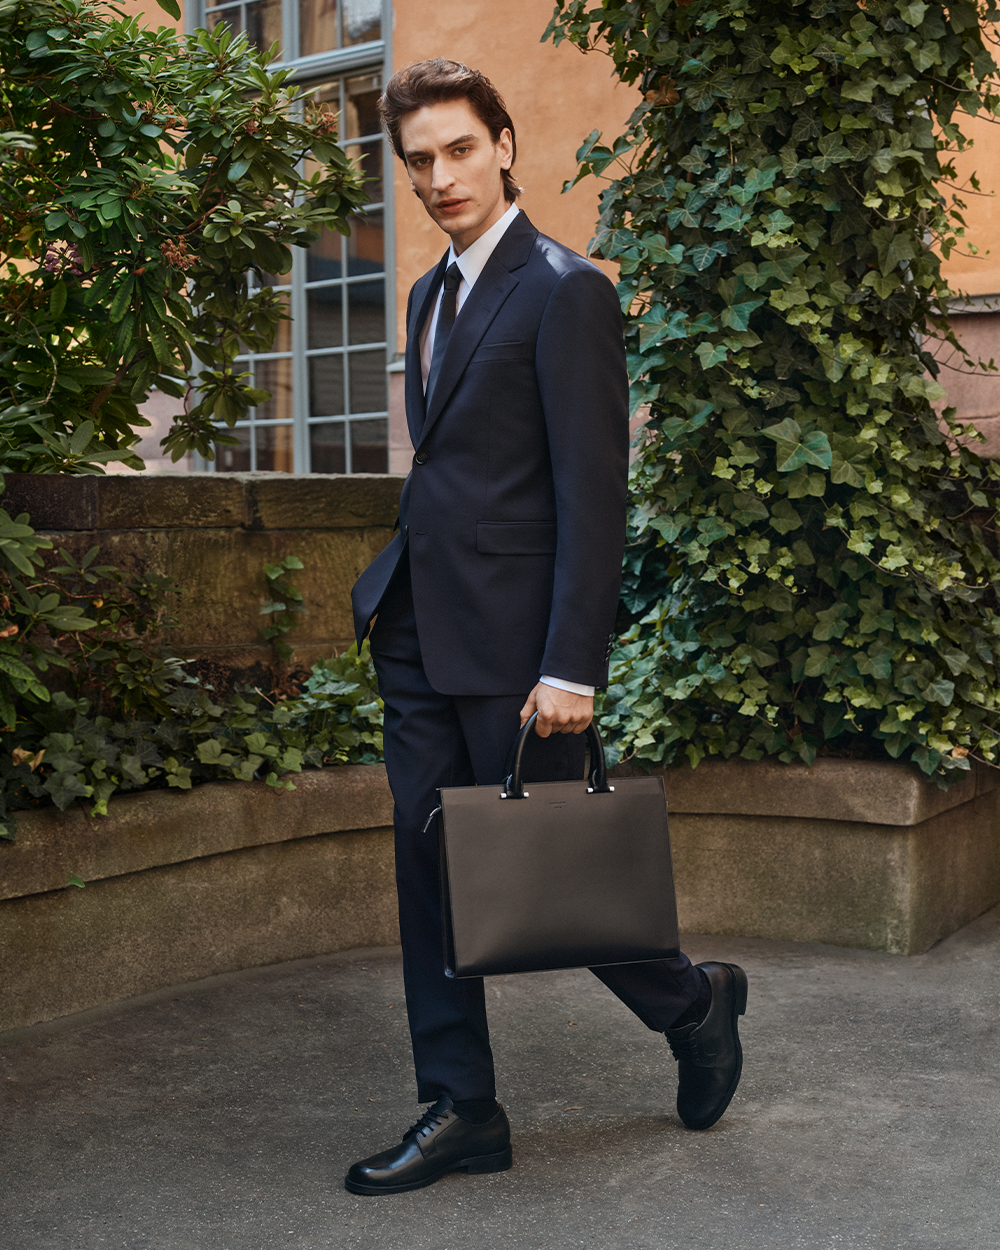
(563, 874)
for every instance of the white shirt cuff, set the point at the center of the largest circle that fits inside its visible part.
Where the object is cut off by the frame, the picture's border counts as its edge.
(574, 687)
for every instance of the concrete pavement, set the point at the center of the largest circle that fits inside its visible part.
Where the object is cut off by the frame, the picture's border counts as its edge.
(221, 1115)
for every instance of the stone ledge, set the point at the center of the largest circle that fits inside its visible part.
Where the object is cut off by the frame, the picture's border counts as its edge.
(255, 501)
(866, 791)
(160, 827)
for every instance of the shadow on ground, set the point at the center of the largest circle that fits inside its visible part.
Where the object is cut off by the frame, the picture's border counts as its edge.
(222, 1115)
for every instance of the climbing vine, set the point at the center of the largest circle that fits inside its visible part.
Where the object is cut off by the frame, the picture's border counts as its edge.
(811, 559)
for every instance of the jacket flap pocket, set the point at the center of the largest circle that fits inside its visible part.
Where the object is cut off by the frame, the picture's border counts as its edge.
(488, 352)
(516, 538)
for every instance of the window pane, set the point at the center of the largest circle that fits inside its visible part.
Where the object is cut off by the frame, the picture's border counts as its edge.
(360, 106)
(234, 459)
(366, 312)
(317, 26)
(370, 446)
(323, 257)
(274, 376)
(274, 448)
(366, 245)
(369, 158)
(326, 448)
(263, 23)
(326, 386)
(326, 317)
(362, 20)
(368, 389)
(232, 16)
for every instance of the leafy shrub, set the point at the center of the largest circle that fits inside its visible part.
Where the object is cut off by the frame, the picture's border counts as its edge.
(808, 569)
(64, 752)
(142, 175)
(93, 707)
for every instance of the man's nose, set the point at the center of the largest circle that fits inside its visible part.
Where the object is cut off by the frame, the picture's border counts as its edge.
(441, 177)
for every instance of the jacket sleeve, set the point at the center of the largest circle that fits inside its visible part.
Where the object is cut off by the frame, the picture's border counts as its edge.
(582, 379)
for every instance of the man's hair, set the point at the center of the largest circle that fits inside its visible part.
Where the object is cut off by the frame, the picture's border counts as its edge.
(436, 81)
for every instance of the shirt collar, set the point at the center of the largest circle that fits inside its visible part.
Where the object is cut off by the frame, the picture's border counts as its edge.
(473, 260)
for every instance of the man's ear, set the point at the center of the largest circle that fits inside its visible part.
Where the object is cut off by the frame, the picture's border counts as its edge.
(507, 161)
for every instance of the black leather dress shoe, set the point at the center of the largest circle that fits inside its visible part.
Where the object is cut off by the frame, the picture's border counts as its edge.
(439, 1142)
(709, 1054)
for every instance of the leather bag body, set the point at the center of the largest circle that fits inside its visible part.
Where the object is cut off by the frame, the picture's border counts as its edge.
(563, 874)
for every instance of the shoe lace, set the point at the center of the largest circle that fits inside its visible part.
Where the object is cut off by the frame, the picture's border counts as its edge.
(685, 1047)
(426, 1124)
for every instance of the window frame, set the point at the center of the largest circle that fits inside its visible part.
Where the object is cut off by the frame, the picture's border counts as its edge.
(374, 57)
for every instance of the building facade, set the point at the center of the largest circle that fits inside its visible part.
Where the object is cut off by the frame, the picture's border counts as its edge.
(335, 369)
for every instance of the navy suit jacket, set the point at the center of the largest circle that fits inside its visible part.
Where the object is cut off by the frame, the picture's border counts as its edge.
(514, 510)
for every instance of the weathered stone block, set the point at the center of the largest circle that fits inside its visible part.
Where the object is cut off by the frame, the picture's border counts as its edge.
(171, 501)
(212, 533)
(855, 853)
(320, 501)
(253, 501)
(54, 501)
(222, 585)
(72, 949)
(182, 886)
(157, 827)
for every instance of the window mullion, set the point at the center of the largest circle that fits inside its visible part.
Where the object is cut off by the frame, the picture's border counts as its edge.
(300, 365)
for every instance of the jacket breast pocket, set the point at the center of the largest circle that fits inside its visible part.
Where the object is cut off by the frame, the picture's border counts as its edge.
(487, 353)
(516, 538)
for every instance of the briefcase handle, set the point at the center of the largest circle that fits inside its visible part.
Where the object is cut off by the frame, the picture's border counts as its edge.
(514, 788)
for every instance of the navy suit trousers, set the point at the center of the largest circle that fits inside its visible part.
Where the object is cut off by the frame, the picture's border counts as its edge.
(434, 740)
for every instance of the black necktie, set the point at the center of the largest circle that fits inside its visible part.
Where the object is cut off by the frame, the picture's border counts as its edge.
(446, 319)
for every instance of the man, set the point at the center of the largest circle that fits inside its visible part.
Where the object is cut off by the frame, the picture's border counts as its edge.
(497, 598)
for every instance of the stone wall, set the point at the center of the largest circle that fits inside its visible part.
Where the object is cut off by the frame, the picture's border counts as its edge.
(213, 533)
(234, 875)
(182, 886)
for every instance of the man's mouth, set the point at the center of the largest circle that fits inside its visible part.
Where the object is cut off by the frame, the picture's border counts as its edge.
(451, 207)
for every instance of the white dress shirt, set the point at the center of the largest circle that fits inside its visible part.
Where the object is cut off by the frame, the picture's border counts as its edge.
(472, 262)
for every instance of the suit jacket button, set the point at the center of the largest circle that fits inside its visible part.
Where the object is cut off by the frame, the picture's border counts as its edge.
(420, 458)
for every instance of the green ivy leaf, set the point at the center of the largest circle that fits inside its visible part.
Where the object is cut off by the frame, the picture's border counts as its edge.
(796, 448)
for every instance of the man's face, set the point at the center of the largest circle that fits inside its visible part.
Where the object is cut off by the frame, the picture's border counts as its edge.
(456, 168)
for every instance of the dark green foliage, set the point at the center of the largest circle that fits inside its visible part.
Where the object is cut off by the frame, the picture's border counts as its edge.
(93, 707)
(63, 751)
(142, 175)
(808, 570)
(284, 604)
(338, 706)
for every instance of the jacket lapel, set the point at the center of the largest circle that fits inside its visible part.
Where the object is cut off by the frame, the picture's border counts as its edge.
(492, 289)
(424, 293)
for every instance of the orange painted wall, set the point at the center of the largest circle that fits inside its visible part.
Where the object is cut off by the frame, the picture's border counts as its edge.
(555, 96)
(978, 275)
(150, 12)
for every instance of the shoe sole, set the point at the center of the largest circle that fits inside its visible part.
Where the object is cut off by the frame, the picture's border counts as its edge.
(477, 1166)
(740, 989)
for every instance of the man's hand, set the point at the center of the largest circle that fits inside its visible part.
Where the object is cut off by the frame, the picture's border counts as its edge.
(559, 711)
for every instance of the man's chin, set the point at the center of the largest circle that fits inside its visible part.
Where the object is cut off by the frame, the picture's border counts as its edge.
(457, 224)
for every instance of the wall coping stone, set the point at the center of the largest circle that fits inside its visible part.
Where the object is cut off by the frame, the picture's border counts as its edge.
(866, 791)
(158, 827)
(252, 501)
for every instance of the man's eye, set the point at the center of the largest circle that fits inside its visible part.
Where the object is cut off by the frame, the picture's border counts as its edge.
(460, 151)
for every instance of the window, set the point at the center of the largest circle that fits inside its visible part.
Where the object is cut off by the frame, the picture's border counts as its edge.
(300, 28)
(326, 372)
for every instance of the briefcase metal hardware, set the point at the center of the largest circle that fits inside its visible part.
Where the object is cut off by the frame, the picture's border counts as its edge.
(579, 876)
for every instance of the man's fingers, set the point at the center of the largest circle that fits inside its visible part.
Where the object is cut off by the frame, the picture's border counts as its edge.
(558, 711)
